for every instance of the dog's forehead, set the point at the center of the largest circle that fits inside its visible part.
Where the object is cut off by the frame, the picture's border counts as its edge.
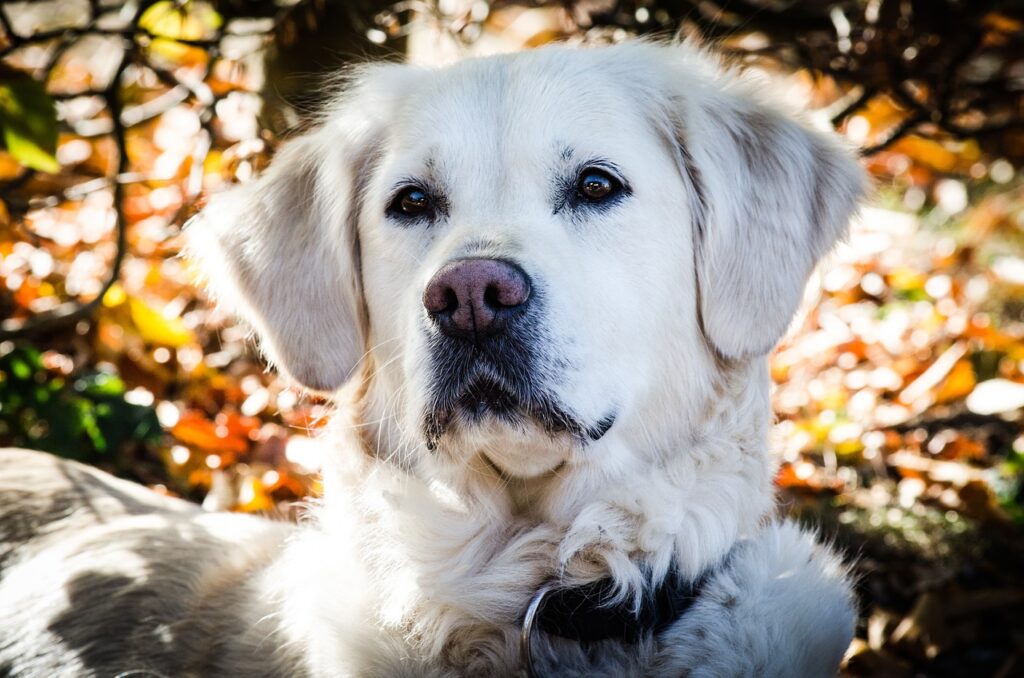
(522, 107)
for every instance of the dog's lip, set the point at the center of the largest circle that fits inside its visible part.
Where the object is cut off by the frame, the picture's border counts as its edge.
(480, 397)
(483, 395)
(485, 398)
(598, 430)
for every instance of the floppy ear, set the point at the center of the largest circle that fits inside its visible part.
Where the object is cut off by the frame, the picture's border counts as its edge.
(281, 252)
(772, 196)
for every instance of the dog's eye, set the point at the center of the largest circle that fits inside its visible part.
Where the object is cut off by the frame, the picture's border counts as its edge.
(596, 185)
(413, 201)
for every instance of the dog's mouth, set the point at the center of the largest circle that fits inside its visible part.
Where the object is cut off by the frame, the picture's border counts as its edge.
(492, 387)
(485, 399)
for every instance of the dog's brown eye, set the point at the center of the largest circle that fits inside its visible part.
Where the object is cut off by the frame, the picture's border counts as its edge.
(596, 185)
(411, 202)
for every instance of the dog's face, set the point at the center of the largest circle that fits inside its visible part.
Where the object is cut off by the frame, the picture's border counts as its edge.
(532, 255)
(514, 248)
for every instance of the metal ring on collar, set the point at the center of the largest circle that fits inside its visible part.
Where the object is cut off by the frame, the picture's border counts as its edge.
(526, 634)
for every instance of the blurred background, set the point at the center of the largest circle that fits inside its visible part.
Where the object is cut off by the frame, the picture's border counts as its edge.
(900, 390)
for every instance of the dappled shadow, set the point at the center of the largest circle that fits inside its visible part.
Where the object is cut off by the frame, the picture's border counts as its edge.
(39, 490)
(111, 617)
(147, 602)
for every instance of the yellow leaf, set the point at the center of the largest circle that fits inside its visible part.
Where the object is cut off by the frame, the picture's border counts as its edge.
(179, 53)
(190, 21)
(931, 153)
(904, 278)
(115, 296)
(157, 329)
(849, 447)
(253, 497)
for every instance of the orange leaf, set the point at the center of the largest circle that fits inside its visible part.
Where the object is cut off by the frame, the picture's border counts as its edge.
(194, 429)
(958, 384)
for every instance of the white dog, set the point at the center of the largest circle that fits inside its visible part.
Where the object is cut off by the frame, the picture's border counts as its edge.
(542, 287)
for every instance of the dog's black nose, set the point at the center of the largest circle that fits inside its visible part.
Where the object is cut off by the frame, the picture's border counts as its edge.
(475, 298)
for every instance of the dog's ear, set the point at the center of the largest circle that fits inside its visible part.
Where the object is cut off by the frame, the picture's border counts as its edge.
(771, 196)
(282, 253)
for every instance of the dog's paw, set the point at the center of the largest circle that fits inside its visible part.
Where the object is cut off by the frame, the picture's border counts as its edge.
(606, 539)
(635, 539)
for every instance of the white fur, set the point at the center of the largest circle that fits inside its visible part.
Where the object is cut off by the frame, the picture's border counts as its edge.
(660, 309)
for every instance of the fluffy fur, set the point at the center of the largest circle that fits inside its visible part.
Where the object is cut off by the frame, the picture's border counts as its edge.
(646, 346)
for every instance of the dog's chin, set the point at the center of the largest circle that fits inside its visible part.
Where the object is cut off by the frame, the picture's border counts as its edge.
(515, 450)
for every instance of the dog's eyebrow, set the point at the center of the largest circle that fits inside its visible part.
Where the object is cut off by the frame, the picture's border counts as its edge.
(426, 181)
(405, 181)
(430, 176)
(567, 154)
(605, 164)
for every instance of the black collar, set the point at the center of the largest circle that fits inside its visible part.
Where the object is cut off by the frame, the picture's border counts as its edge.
(581, 613)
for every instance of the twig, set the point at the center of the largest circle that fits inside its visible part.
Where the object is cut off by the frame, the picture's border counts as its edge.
(852, 105)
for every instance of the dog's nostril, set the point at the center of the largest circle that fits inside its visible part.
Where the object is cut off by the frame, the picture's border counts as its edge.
(492, 296)
(451, 301)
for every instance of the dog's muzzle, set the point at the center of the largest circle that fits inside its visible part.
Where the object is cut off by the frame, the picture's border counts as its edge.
(486, 340)
(483, 326)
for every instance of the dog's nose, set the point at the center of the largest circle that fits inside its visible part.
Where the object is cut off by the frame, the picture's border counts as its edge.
(474, 298)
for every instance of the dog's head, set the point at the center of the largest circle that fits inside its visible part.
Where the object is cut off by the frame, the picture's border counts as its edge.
(532, 254)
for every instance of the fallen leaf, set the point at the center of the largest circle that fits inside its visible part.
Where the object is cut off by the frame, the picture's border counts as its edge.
(156, 328)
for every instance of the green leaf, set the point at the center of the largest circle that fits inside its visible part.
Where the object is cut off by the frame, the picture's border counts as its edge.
(28, 116)
(22, 363)
(100, 385)
(20, 369)
(84, 418)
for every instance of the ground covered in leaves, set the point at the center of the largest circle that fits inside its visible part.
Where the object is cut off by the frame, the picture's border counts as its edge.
(900, 399)
(900, 390)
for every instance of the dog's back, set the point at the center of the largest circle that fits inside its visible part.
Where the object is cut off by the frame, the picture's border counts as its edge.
(101, 577)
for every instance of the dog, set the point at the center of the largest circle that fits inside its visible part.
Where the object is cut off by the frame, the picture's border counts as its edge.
(541, 288)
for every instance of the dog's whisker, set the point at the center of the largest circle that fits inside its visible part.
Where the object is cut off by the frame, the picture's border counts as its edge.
(379, 344)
